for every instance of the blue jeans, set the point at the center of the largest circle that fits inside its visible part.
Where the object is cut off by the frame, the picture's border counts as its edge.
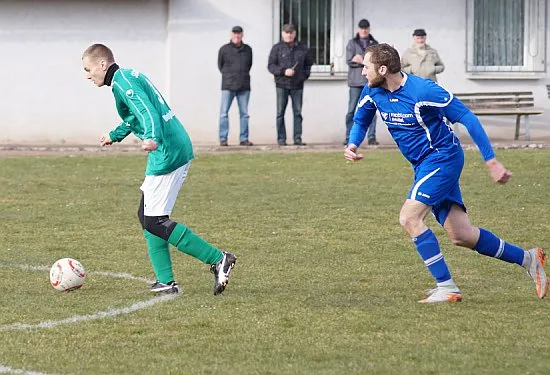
(354, 94)
(242, 101)
(282, 100)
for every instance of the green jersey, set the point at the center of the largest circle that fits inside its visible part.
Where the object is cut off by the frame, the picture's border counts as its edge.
(145, 113)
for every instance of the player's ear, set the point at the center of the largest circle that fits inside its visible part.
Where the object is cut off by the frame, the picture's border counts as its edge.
(382, 70)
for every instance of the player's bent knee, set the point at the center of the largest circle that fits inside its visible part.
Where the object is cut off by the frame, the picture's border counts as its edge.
(160, 226)
(403, 221)
(409, 222)
(413, 224)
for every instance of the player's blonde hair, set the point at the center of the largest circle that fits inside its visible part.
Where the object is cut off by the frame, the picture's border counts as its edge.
(99, 52)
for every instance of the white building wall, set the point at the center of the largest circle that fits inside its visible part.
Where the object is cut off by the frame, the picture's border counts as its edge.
(175, 42)
(45, 96)
(197, 29)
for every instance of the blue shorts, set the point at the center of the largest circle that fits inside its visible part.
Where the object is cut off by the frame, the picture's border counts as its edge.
(436, 183)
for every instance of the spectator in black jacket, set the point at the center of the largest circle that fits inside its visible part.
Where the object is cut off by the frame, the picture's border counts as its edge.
(234, 62)
(290, 62)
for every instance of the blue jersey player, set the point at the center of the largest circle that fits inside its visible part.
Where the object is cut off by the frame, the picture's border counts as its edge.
(414, 110)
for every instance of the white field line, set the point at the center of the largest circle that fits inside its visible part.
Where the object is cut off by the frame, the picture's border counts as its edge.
(118, 275)
(109, 313)
(9, 370)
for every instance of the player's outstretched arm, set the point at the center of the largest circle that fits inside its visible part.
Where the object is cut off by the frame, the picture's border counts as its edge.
(139, 104)
(365, 112)
(456, 111)
(498, 172)
(116, 135)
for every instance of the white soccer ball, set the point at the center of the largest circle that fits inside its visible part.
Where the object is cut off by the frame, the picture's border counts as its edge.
(67, 274)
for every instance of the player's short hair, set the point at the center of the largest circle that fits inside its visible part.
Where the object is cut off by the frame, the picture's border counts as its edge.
(384, 54)
(99, 51)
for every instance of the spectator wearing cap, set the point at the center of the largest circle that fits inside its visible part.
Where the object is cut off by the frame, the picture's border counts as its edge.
(421, 59)
(290, 63)
(355, 52)
(234, 62)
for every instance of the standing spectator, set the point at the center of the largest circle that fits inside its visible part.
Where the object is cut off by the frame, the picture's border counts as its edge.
(421, 59)
(234, 62)
(355, 51)
(290, 62)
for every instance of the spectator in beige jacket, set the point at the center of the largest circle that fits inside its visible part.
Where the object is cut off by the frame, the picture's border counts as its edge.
(421, 59)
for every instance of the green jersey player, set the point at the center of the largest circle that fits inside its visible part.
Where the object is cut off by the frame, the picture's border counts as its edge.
(146, 114)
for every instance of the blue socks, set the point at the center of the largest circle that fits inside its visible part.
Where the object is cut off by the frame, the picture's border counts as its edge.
(428, 248)
(488, 244)
(492, 246)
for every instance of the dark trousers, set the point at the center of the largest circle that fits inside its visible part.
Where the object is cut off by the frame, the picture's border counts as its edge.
(282, 100)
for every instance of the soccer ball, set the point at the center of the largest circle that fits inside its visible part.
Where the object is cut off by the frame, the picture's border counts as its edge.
(67, 274)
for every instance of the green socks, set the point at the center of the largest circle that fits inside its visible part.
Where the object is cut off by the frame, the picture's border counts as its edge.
(159, 253)
(185, 240)
(189, 243)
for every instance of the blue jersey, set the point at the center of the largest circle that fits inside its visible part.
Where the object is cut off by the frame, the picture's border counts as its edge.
(415, 116)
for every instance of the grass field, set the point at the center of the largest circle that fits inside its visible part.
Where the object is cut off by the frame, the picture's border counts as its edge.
(326, 281)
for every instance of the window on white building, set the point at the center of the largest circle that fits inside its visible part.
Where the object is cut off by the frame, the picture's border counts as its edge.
(323, 25)
(506, 36)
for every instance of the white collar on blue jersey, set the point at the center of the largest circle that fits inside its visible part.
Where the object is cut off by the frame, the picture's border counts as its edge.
(405, 77)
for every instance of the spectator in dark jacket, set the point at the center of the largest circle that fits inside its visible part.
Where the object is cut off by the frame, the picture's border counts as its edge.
(290, 62)
(355, 52)
(234, 62)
